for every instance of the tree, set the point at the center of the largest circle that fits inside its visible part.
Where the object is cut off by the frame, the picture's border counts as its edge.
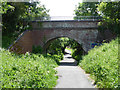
(58, 44)
(83, 9)
(110, 11)
(86, 9)
(14, 14)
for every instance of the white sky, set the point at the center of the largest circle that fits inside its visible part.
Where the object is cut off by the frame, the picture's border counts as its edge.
(60, 7)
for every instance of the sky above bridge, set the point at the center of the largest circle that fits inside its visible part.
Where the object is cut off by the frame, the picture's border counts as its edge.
(61, 9)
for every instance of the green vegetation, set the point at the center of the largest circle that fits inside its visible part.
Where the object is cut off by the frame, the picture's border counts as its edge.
(27, 71)
(36, 70)
(77, 55)
(7, 41)
(57, 46)
(16, 16)
(103, 9)
(111, 16)
(20, 12)
(32, 70)
(86, 9)
(77, 51)
(37, 50)
(102, 63)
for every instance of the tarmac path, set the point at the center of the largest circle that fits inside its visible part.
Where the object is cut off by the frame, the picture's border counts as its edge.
(71, 75)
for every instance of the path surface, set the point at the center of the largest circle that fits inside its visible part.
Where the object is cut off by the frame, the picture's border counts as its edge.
(70, 75)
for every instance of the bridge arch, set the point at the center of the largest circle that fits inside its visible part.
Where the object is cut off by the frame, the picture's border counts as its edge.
(84, 32)
(50, 40)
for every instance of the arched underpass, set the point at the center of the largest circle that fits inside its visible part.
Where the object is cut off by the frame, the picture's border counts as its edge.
(70, 42)
(63, 42)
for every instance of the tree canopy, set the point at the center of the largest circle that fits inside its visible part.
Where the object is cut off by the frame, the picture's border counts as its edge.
(14, 14)
(110, 11)
(86, 9)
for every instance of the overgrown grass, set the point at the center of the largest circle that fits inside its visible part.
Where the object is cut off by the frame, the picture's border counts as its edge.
(102, 63)
(27, 71)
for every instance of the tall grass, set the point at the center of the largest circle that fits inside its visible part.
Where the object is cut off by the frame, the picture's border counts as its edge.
(27, 71)
(102, 63)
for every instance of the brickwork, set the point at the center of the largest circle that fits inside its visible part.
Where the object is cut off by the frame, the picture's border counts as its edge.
(71, 24)
(24, 44)
(84, 32)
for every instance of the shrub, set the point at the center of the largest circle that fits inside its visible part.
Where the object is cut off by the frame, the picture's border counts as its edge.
(59, 53)
(27, 71)
(102, 63)
(7, 40)
(37, 49)
(77, 55)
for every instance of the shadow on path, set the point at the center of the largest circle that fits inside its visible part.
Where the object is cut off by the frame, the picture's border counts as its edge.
(67, 64)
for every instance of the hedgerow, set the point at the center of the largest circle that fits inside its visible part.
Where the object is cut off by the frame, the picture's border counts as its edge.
(102, 63)
(27, 71)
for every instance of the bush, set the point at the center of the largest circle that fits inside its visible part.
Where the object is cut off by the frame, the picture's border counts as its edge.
(77, 55)
(59, 53)
(27, 71)
(56, 58)
(7, 40)
(102, 63)
(37, 49)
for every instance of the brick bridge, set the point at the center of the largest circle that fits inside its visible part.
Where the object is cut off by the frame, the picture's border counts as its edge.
(44, 32)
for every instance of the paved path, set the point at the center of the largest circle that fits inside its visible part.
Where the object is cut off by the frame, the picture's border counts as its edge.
(70, 75)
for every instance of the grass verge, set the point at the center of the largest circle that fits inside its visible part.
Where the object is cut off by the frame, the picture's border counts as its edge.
(27, 71)
(102, 63)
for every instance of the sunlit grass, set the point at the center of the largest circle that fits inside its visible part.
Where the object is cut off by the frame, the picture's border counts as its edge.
(27, 71)
(102, 63)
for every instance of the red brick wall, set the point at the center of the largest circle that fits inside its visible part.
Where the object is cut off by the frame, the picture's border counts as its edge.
(24, 44)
